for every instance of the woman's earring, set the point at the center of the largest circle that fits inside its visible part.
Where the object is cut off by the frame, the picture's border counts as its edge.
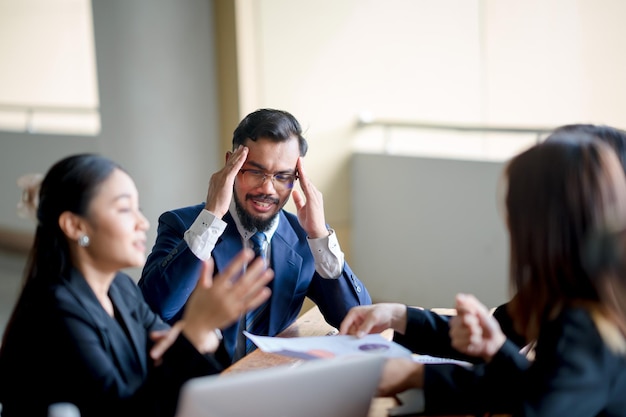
(83, 241)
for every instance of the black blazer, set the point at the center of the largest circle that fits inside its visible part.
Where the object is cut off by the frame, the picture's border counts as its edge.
(427, 333)
(574, 373)
(64, 347)
(450, 388)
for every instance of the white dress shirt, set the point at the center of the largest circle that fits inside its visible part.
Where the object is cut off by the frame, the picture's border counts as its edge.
(207, 228)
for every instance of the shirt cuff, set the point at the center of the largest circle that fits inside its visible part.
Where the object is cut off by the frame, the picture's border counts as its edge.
(328, 255)
(202, 236)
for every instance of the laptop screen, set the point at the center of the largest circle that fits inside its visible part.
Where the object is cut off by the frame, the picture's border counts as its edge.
(325, 387)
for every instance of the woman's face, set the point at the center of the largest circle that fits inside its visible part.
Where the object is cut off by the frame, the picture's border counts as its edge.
(116, 226)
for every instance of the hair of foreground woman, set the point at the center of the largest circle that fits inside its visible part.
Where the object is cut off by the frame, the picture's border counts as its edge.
(69, 185)
(559, 193)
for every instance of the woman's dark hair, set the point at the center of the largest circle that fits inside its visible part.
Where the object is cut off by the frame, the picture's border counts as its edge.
(614, 137)
(277, 125)
(69, 185)
(559, 193)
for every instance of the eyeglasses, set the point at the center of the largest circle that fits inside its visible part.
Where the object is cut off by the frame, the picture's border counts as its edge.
(256, 178)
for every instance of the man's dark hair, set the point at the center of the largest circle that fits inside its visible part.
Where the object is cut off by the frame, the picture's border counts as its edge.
(277, 125)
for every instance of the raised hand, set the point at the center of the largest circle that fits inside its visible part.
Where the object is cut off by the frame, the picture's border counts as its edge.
(217, 302)
(310, 206)
(474, 331)
(221, 184)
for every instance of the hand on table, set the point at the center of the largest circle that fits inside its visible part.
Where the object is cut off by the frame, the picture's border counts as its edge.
(375, 318)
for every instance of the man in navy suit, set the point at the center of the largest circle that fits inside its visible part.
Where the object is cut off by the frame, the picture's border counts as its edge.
(245, 197)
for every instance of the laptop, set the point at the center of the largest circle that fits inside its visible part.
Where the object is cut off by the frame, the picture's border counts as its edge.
(339, 387)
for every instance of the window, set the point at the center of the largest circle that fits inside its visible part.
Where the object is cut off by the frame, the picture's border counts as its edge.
(48, 81)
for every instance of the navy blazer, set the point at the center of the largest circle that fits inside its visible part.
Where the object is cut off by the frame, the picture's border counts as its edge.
(64, 347)
(172, 270)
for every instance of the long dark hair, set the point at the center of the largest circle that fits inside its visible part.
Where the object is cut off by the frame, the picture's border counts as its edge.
(69, 185)
(559, 193)
(612, 136)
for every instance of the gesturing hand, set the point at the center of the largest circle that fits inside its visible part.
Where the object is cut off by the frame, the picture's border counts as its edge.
(217, 302)
(474, 331)
(221, 184)
(310, 207)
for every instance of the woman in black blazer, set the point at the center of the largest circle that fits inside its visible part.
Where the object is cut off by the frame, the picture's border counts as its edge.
(81, 331)
(559, 194)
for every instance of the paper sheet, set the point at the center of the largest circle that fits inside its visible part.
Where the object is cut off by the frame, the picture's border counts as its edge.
(427, 359)
(329, 346)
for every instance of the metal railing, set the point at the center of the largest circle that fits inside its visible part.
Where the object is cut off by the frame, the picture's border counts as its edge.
(29, 112)
(388, 124)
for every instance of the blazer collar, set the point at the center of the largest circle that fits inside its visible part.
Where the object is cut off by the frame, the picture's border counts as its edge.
(85, 296)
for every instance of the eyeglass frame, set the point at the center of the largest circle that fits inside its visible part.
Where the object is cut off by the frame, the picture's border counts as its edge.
(273, 177)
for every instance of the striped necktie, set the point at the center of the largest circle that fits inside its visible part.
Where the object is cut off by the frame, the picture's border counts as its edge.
(258, 244)
(257, 321)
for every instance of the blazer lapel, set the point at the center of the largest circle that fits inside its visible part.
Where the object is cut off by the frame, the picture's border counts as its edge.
(228, 245)
(113, 337)
(129, 316)
(77, 285)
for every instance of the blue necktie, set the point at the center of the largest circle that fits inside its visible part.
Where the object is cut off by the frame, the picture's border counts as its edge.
(257, 321)
(258, 244)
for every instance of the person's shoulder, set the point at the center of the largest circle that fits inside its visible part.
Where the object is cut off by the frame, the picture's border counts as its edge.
(196, 208)
(127, 288)
(578, 340)
(184, 214)
(572, 319)
(124, 281)
(574, 326)
(575, 317)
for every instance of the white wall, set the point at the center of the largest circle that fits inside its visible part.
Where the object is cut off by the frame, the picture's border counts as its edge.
(326, 61)
(158, 92)
(536, 62)
(542, 62)
(158, 95)
(427, 228)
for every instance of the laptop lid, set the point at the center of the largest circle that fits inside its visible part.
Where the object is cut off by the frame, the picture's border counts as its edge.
(325, 387)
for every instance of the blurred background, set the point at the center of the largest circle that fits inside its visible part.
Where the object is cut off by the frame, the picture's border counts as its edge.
(411, 109)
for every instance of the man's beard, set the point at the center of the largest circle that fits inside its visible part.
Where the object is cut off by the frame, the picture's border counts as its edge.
(250, 222)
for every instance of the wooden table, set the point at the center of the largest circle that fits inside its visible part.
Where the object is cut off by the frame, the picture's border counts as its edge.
(310, 323)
